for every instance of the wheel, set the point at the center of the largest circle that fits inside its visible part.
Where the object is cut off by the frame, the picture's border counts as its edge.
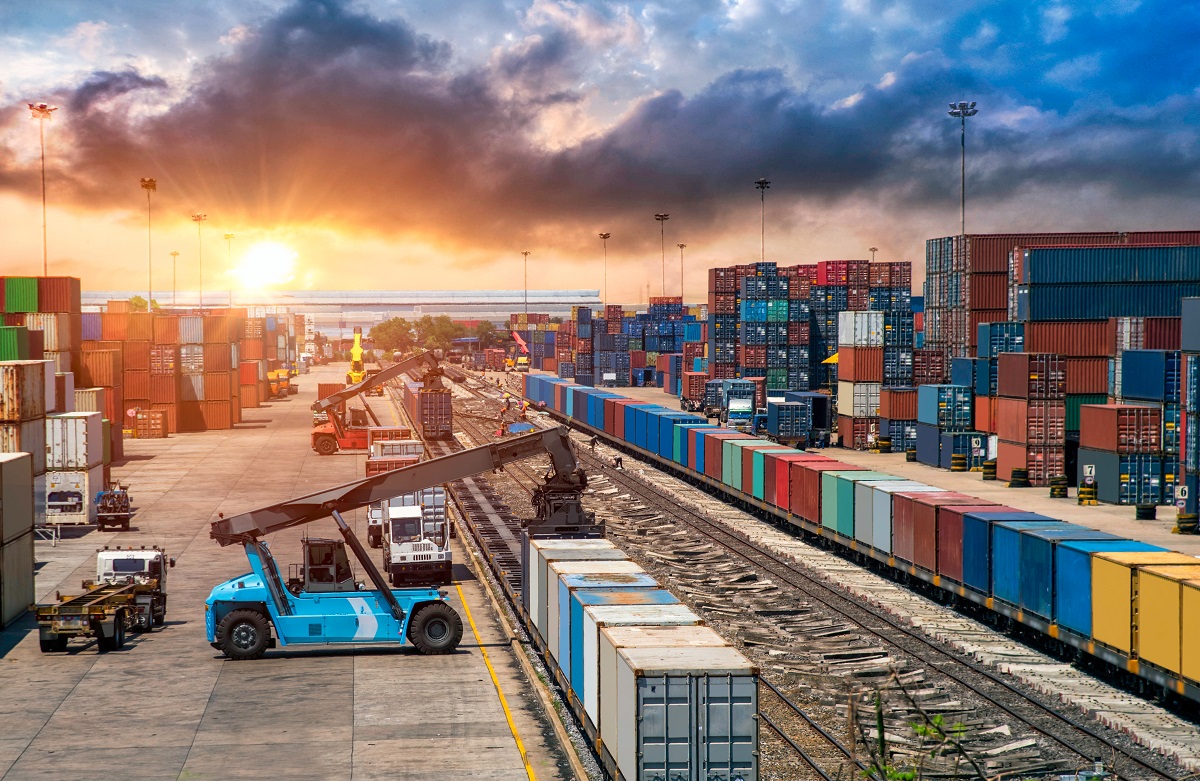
(125, 526)
(243, 634)
(326, 446)
(161, 616)
(105, 644)
(55, 643)
(145, 622)
(118, 640)
(435, 629)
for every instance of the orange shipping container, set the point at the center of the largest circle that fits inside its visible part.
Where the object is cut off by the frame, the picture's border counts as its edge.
(114, 326)
(137, 384)
(216, 330)
(166, 329)
(985, 413)
(140, 326)
(170, 415)
(251, 350)
(860, 364)
(217, 386)
(248, 395)
(217, 415)
(100, 368)
(1042, 461)
(136, 355)
(898, 403)
(1087, 375)
(217, 357)
(114, 406)
(164, 388)
(248, 373)
(190, 417)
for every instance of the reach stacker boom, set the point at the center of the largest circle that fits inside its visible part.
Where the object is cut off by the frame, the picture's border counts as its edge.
(320, 602)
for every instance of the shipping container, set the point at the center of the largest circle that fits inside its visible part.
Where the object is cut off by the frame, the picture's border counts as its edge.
(1043, 461)
(1023, 563)
(1151, 375)
(858, 399)
(22, 390)
(1114, 589)
(74, 441)
(945, 406)
(1120, 428)
(898, 403)
(1133, 478)
(860, 364)
(1073, 579)
(536, 579)
(977, 566)
(16, 578)
(1081, 339)
(838, 498)
(1160, 617)
(100, 368)
(69, 496)
(914, 524)
(1034, 376)
(1041, 422)
(27, 436)
(565, 576)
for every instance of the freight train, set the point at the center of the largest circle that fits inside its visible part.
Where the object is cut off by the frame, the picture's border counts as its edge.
(1131, 607)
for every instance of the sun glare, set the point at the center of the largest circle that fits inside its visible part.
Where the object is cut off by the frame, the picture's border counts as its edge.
(266, 264)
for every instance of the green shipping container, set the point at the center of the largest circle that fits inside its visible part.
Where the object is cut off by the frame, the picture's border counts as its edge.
(837, 498)
(20, 294)
(680, 434)
(14, 343)
(777, 379)
(731, 461)
(759, 468)
(1077, 400)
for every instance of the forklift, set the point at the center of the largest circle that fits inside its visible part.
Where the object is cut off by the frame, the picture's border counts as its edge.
(321, 603)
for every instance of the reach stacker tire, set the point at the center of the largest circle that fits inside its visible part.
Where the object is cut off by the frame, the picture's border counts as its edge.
(243, 634)
(326, 446)
(435, 629)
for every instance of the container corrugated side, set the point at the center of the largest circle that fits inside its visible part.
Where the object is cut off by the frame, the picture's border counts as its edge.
(716, 687)
(74, 440)
(1160, 614)
(27, 436)
(534, 592)
(16, 488)
(1114, 584)
(1191, 631)
(22, 390)
(864, 504)
(1073, 578)
(563, 577)
(16, 578)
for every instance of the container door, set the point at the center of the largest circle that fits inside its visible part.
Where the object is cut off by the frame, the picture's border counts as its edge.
(728, 746)
(667, 720)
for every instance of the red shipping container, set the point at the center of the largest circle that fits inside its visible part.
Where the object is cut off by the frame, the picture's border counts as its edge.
(140, 326)
(914, 525)
(929, 366)
(99, 368)
(248, 396)
(216, 415)
(898, 403)
(722, 371)
(989, 291)
(691, 351)
(251, 350)
(1042, 461)
(860, 364)
(248, 373)
(164, 359)
(37, 345)
(166, 329)
(136, 356)
(217, 386)
(985, 413)
(752, 356)
(58, 294)
(760, 391)
(170, 416)
(950, 532)
(857, 433)
(1032, 375)
(805, 490)
(114, 405)
(693, 385)
(713, 458)
(114, 326)
(919, 321)
(799, 288)
(1040, 422)
(780, 490)
(216, 330)
(1120, 428)
(1087, 375)
(1075, 339)
(1162, 333)
(989, 252)
(218, 357)
(748, 465)
(136, 384)
(798, 333)
(164, 388)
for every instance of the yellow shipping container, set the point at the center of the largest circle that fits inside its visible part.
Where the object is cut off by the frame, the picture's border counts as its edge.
(1114, 586)
(1190, 666)
(1160, 614)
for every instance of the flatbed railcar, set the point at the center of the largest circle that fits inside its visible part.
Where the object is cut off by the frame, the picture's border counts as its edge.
(1133, 672)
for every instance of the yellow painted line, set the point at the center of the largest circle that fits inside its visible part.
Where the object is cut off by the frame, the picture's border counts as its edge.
(495, 682)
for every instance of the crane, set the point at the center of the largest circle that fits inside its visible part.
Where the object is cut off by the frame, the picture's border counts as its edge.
(320, 602)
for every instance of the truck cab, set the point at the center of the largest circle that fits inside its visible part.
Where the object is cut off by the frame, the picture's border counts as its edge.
(737, 404)
(416, 539)
(521, 364)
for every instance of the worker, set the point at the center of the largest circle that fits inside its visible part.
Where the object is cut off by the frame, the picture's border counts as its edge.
(617, 462)
(595, 440)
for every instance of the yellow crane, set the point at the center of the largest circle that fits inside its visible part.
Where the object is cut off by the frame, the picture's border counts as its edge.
(357, 372)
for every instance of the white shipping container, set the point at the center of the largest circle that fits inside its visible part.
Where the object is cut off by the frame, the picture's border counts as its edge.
(881, 511)
(28, 436)
(22, 390)
(48, 372)
(540, 554)
(55, 328)
(597, 617)
(191, 330)
(16, 578)
(74, 440)
(858, 399)
(712, 696)
(564, 576)
(64, 392)
(864, 506)
(69, 496)
(89, 399)
(16, 495)
(860, 329)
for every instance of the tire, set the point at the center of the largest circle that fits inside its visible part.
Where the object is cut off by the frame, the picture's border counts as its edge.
(54, 644)
(243, 634)
(105, 644)
(325, 446)
(124, 526)
(435, 629)
(145, 621)
(118, 641)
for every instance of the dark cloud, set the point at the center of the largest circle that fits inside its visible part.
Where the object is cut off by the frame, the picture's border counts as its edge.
(322, 113)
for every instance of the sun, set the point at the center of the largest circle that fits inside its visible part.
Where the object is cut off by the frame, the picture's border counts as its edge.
(266, 264)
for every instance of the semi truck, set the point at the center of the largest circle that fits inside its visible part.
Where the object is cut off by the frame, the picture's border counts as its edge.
(319, 602)
(129, 594)
(737, 404)
(416, 539)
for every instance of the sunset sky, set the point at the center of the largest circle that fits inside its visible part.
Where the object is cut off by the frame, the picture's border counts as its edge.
(421, 145)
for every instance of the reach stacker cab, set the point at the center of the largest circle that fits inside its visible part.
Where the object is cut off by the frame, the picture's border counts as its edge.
(319, 602)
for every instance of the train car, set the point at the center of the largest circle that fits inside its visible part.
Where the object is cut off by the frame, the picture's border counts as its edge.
(1131, 605)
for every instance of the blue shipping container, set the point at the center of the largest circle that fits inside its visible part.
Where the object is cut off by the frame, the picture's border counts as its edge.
(1150, 375)
(947, 406)
(929, 444)
(1073, 578)
(977, 544)
(1037, 564)
(1076, 265)
(1006, 557)
(971, 444)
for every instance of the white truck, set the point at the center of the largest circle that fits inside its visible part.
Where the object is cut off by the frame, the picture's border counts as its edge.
(416, 539)
(128, 594)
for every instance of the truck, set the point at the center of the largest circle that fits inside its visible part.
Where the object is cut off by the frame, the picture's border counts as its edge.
(737, 404)
(349, 432)
(321, 603)
(129, 594)
(416, 539)
(710, 404)
(113, 507)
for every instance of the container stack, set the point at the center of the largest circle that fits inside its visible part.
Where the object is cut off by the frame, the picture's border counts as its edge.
(860, 377)
(583, 358)
(1031, 416)
(1154, 378)
(16, 535)
(1189, 440)
(1120, 449)
(540, 336)
(23, 421)
(944, 426)
(898, 417)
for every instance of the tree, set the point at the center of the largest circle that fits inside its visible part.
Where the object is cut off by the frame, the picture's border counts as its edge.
(138, 304)
(394, 334)
(486, 333)
(437, 332)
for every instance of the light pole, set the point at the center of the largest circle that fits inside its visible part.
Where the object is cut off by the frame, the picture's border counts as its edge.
(174, 258)
(604, 239)
(229, 260)
(662, 238)
(150, 186)
(873, 250)
(961, 111)
(681, 246)
(199, 219)
(526, 254)
(762, 185)
(42, 112)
